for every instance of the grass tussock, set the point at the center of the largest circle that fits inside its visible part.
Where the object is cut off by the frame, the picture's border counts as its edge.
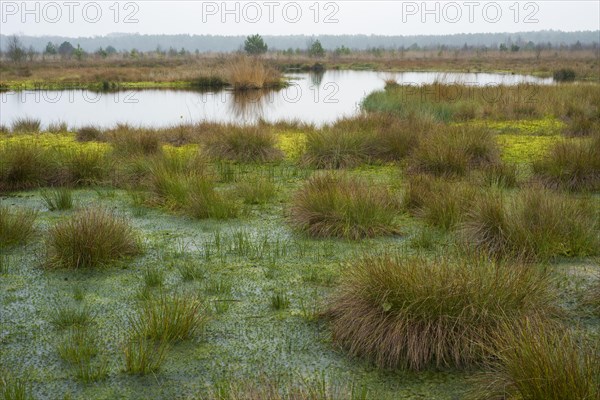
(415, 313)
(242, 144)
(246, 73)
(534, 224)
(337, 205)
(57, 127)
(90, 239)
(16, 225)
(453, 151)
(85, 167)
(366, 138)
(533, 361)
(329, 148)
(170, 318)
(205, 201)
(26, 125)
(571, 165)
(439, 202)
(184, 184)
(88, 134)
(25, 165)
(500, 175)
(128, 141)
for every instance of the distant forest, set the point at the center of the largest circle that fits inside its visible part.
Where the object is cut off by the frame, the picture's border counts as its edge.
(210, 43)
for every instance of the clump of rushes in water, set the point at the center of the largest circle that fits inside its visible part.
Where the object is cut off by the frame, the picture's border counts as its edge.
(306, 388)
(454, 150)
(143, 356)
(280, 300)
(16, 225)
(244, 144)
(415, 313)
(170, 317)
(571, 165)
(190, 270)
(13, 388)
(80, 349)
(337, 205)
(58, 199)
(534, 224)
(68, 315)
(90, 239)
(535, 361)
(153, 276)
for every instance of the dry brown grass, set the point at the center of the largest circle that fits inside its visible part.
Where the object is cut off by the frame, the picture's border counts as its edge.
(244, 73)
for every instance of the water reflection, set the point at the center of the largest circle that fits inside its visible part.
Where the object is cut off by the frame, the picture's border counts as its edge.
(248, 105)
(316, 77)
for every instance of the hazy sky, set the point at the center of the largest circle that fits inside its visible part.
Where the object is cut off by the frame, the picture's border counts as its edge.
(88, 18)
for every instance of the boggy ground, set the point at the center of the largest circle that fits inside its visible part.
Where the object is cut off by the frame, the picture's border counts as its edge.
(265, 284)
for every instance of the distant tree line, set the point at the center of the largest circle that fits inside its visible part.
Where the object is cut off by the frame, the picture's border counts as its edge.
(20, 49)
(213, 43)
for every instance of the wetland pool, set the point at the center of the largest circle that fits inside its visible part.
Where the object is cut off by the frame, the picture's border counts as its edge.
(317, 98)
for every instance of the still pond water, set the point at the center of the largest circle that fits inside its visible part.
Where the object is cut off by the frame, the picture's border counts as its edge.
(317, 98)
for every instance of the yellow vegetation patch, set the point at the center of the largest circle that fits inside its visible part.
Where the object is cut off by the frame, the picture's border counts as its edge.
(181, 151)
(61, 142)
(534, 127)
(292, 144)
(525, 149)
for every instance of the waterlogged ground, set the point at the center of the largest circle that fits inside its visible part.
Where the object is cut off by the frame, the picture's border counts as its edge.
(240, 265)
(245, 338)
